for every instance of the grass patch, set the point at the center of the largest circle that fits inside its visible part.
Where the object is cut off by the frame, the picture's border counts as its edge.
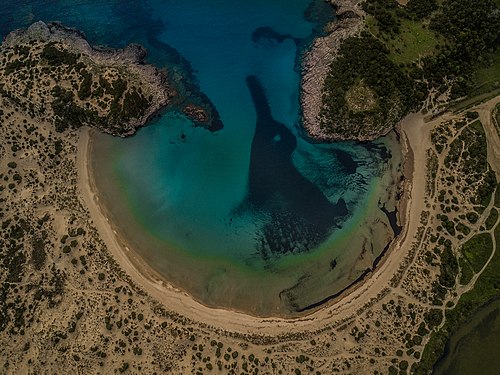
(477, 250)
(415, 40)
(497, 196)
(492, 218)
(466, 273)
(485, 85)
(486, 288)
(470, 102)
(487, 79)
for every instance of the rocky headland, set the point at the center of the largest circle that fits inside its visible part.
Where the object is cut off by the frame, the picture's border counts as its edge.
(383, 60)
(52, 72)
(316, 66)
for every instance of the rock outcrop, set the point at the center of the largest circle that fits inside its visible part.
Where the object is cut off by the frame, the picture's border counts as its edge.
(55, 74)
(316, 64)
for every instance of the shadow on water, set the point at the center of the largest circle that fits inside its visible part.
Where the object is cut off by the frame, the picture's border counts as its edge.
(300, 216)
(266, 33)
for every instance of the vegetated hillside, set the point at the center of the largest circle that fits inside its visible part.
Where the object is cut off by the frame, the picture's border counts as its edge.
(51, 72)
(406, 55)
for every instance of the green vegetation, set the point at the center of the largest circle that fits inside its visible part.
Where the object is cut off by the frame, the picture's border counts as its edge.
(471, 32)
(85, 93)
(420, 9)
(403, 29)
(487, 287)
(496, 118)
(38, 253)
(134, 104)
(55, 56)
(433, 318)
(487, 77)
(466, 273)
(414, 41)
(387, 14)
(468, 156)
(85, 86)
(125, 104)
(449, 267)
(365, 59)
(67, 112)
(478, 250)
(444, 44)
(475, 182)
(492, 219)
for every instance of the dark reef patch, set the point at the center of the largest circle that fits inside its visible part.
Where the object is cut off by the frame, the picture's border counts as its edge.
(300, 215)
(320, 13)
(379, 149)
(348, 163)
(393, 220)
(261, 34)
(164, 54)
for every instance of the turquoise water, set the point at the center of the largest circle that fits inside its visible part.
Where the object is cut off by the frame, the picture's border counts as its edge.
(255, 198)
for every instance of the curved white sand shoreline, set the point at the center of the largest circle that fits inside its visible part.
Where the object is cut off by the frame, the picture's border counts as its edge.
(414, 138)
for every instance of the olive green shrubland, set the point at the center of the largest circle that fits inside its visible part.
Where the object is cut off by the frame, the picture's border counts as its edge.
(456, 52)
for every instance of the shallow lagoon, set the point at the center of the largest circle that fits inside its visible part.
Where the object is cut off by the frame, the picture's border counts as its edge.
(253, 217)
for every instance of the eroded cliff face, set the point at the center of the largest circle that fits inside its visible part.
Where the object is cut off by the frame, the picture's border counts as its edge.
(360, 121)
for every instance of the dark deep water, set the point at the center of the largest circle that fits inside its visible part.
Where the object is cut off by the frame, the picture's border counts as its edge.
(474, 347)
(276, 186)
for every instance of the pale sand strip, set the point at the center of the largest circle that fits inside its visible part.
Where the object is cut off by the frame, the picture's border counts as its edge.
(415, 140)
(485, 115)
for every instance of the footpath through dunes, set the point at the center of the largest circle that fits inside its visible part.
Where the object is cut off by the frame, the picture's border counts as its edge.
(415, 136)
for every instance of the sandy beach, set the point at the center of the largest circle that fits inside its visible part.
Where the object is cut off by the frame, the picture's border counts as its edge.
(81, 291)
(414, 135)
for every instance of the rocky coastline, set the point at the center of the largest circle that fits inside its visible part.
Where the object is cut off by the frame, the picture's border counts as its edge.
(316, 62)
(149, 89)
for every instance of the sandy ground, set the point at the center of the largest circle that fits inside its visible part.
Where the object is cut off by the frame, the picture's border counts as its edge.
(415, 141)
(367, 330)
(485, 111)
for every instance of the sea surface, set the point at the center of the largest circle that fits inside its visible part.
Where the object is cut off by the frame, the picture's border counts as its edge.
(255, 216)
